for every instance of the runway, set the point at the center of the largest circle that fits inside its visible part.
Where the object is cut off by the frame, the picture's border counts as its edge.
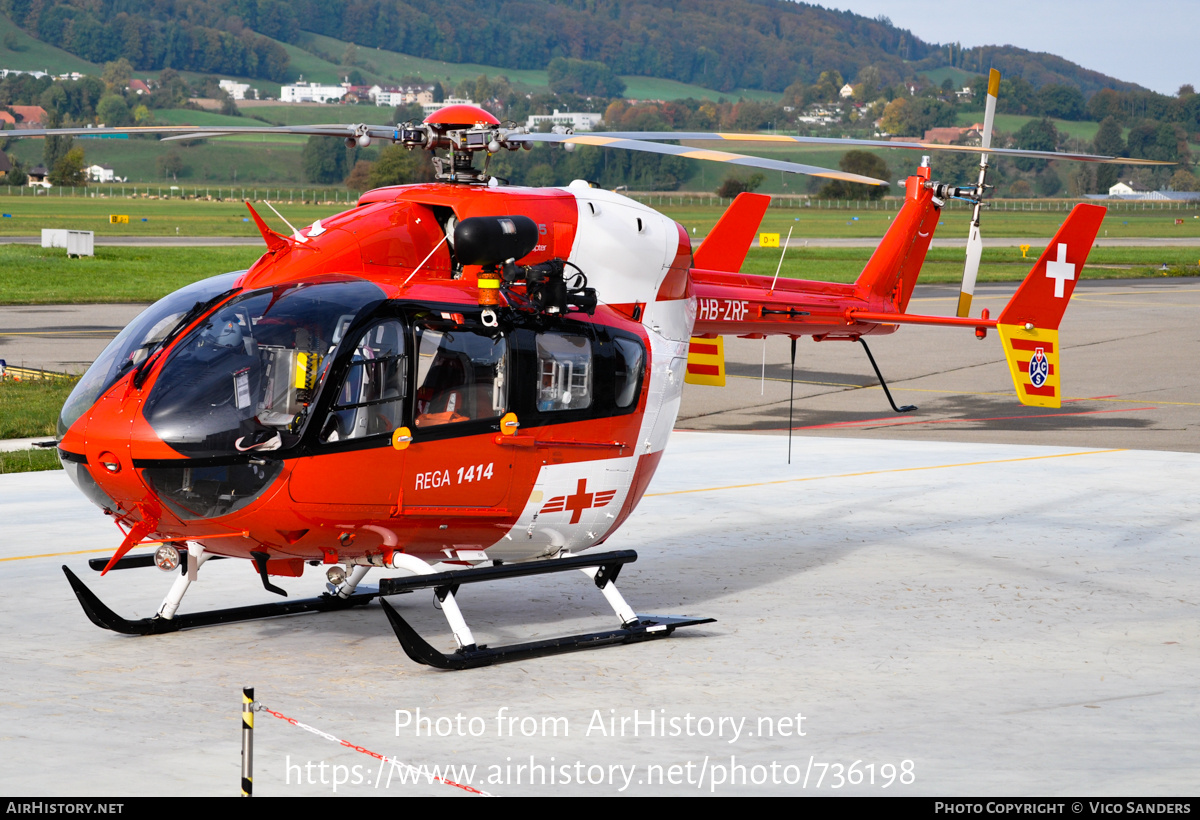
(972, 618)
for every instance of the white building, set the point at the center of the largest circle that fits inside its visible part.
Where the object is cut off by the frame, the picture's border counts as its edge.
(310, 92)
(234, 89)
(101, 173)
(573, 120)
(847, 91)
(401, 96)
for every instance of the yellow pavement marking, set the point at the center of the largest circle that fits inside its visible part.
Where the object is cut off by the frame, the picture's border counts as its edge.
(885, 472)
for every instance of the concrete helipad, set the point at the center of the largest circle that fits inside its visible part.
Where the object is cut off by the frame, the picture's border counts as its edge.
(941, 618)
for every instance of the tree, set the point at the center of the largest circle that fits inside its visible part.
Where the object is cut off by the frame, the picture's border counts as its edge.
(732, 186)
(1182, 180)
(359, 178)
(17, 176)
(1036, 135)
(1109, 142)
(170, 164)
(56, 147)
(326, 161)
(68, 170)
(1061, 101)
(913, 116)
(570, 76)
(398, 165)
(117, 74)
(864, 164)
(409, 112)
(113, 111)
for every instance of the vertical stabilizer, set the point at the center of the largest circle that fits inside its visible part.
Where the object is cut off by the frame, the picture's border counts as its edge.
(891, 273)
(1028, 325)
(725, 247)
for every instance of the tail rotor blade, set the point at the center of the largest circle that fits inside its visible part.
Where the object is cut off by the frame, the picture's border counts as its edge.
(970, 270)
(974, 238)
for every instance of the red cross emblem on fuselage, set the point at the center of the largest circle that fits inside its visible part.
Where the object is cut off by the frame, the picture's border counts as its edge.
(578, 501)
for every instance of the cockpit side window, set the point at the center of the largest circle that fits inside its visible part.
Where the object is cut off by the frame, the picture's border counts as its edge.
(564, 368)
(461, 375)
(371, 397)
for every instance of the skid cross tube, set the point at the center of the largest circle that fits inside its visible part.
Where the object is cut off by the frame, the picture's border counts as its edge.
(602, 569)
(609, 562)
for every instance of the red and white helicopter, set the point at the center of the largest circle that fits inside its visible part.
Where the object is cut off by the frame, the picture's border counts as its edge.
(466, 381)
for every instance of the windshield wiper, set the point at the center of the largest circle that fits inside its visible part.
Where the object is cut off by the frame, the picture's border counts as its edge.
(198, 309)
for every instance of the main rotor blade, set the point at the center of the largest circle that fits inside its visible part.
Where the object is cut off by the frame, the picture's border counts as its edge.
(966, 291)
(182, 132)
(914, 146)
(607, 140)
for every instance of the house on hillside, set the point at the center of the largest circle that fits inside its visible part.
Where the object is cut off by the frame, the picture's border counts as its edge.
(37, 177)
(139, 87)
(1126, 187)
(5, 165)
(955, 135)
(26, 116)
(100, 173)
(847, 91)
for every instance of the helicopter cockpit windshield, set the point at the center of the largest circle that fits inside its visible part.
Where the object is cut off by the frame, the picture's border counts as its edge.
(134, 345)
(245, 379)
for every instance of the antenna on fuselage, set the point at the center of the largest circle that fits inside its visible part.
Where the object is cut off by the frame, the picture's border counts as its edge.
(295, 233)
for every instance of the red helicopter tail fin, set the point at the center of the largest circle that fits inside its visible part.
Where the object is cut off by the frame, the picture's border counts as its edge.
(725, 247)
(1028, 325)
(891, 273)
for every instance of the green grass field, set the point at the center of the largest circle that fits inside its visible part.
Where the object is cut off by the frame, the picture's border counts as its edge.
(814, 221)
(34, 55)
(30, 408)
(28, 461)
(283, 114)
(391, 65)
(33, 275)
(1023, 219)
(28, 214)
(1012, 123)
(259, 159)
(945, 265)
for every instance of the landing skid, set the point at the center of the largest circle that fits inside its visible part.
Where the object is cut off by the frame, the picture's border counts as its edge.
(647, 628)
(103, 617)
(602, 568)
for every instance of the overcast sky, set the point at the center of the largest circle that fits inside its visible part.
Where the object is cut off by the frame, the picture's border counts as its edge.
(1150, 42)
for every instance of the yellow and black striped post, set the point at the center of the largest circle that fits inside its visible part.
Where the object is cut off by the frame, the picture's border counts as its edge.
(247, 741)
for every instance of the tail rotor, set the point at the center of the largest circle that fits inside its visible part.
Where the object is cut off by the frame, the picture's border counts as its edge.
(974, 239)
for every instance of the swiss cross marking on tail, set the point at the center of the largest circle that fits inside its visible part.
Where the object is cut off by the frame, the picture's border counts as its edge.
(1060, 270)
(1039, 368)
(579, 501)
